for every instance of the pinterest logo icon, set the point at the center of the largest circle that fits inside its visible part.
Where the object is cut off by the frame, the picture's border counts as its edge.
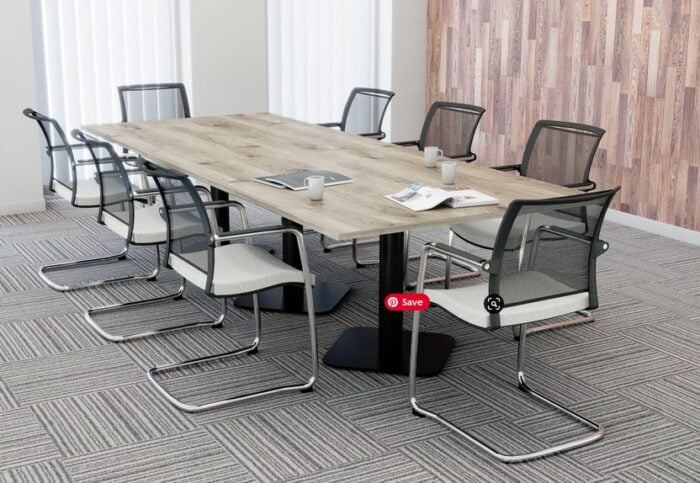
(392, 302)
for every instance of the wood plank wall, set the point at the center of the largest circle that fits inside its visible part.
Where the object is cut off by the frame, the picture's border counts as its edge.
(631, 67)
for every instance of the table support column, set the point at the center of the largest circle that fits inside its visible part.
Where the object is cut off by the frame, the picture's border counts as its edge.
(392, 265)
(387, 347)
(222, 217)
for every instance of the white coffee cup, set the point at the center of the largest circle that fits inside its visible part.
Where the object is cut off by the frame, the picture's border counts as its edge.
(431, 153)
(449, 172)
(315, 185)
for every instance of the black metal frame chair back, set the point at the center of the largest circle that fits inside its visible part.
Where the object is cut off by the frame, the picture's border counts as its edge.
(151, 102)
(376, 102)
(118, 205)
(96, 162)
(557, 152)
(562, 153)
(451, 126)
(525, 286)
(195, 254)
(57, 142)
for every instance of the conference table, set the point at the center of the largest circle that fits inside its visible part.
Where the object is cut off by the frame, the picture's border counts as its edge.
(228, 152)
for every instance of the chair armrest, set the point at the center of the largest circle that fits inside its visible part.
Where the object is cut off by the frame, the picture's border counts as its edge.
(270, 230)
(458, 254)
(92, 162)
(598, 248)
(585, 186)
(71, 146)
(407, 143)
(556, 230)
(146, 192)
(251, 232)
(213, 205)
(507, 167)
(377, 135)
(330, 124)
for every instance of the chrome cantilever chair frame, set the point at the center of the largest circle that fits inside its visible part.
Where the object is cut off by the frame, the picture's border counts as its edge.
(92, 144)
(68, 148)
(597, 431)
(177, 295)
(253, 347)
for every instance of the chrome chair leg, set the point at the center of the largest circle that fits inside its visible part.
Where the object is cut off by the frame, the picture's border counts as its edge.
(597, 431)
(90, 313)
(448, 278)
(252, 348)
(362, 263)
(85, 262)
(327, 248)
(469, 273)
(583, 317)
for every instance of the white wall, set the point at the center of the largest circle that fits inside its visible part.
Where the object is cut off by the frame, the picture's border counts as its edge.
(409, 34)
(20, 161)
(225, 55)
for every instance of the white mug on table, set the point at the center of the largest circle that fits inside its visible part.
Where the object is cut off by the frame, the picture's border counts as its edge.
(315, 185)
(431, 154)
(449, 172)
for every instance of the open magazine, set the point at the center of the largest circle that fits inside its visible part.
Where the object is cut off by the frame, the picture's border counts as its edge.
(295, 179)
(420, 198)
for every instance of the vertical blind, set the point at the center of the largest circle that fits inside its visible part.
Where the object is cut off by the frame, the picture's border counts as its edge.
(91, 47)
(318, 50)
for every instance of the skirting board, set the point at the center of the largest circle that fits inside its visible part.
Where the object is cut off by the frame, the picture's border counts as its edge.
(22, 207)
(655, 227)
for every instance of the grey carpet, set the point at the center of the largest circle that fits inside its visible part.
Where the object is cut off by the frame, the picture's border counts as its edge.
(75, 408)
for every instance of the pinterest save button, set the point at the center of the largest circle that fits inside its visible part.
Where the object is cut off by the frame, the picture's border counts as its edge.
(399, 302)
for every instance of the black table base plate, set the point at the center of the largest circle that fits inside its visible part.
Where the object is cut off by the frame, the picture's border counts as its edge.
(358, 348)
(327, 295)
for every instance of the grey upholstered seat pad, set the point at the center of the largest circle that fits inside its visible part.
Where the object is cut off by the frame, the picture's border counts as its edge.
(467, 303)
(238, 268)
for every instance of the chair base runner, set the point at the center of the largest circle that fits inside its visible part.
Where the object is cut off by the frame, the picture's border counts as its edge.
(288, 299)
(193, 408)
(597, 431)
(86, 262)
(584, 317)
(355, 243)
(249, 350)
(359, 348)
(88, 316)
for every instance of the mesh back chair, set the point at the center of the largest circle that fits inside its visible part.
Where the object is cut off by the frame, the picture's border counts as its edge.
(153, 102)
(363, 115)
(81, 192)
(130, 214)
(224, 266)
(451, 127)
(557, 152)
(552, 272)
(561, 153)
(364, 112)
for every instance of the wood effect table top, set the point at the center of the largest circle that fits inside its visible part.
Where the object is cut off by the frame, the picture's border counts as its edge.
(228, 152)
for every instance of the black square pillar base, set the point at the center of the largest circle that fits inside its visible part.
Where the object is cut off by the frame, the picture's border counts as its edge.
(358, 348)
(327, 295)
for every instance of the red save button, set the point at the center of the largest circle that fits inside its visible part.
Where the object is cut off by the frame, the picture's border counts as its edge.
(398, 302)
